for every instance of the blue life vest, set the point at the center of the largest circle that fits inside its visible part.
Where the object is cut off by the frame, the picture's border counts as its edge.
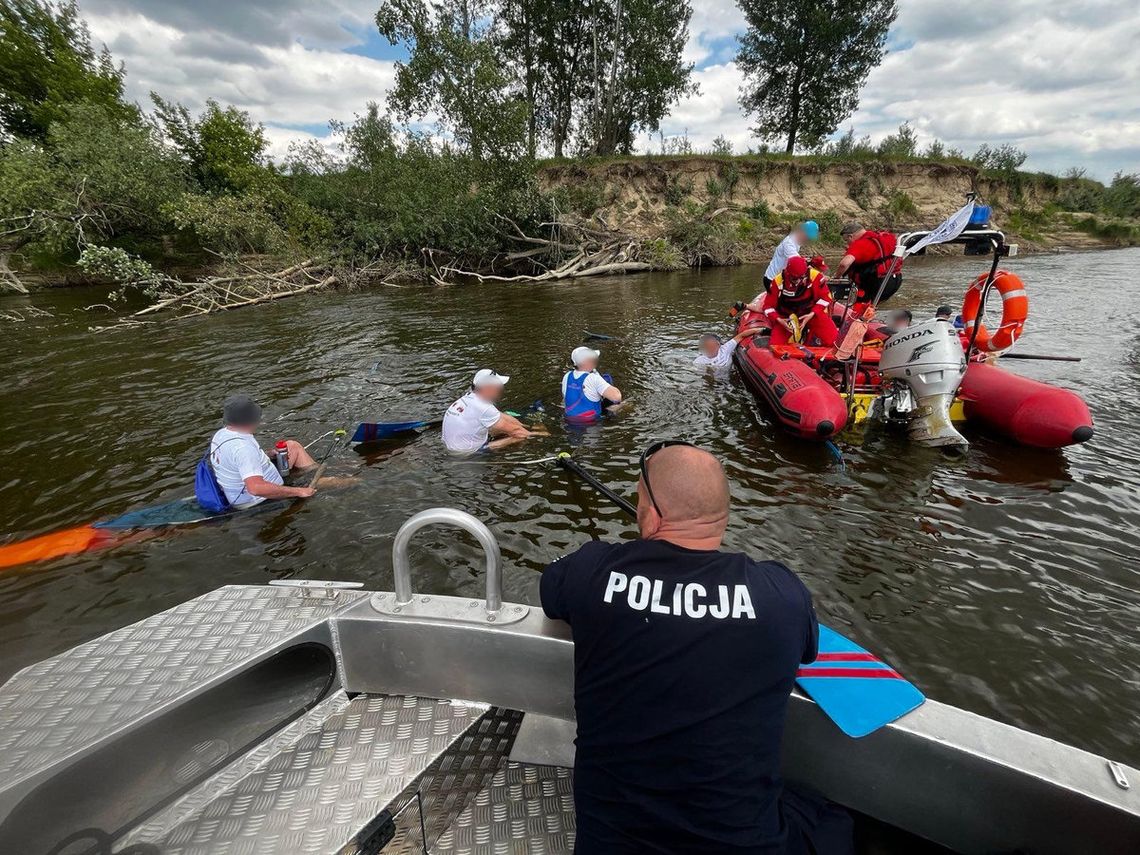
(209, 493)
(579, 408)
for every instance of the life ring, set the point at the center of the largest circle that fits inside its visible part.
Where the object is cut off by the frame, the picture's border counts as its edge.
(1014, 311)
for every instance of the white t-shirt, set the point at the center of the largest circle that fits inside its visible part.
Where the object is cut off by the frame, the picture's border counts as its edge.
(466, 423)
(787, 249)
(237, 456)
(594, 387)
(723, 356)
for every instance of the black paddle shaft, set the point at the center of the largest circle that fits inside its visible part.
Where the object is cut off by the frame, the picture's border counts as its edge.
(571, 466)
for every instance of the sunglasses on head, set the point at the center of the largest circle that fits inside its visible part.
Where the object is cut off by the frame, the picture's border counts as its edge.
(645, 455)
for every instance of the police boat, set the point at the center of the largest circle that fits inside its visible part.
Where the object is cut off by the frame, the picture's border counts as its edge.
(316, 717)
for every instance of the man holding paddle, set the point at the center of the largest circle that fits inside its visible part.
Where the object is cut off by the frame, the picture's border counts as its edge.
(684, 659)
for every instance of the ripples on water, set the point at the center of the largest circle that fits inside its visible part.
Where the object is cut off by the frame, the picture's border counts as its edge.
(1004, 582)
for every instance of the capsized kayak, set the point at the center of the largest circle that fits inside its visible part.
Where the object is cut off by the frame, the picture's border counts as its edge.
(1027, 411)
(104, 533)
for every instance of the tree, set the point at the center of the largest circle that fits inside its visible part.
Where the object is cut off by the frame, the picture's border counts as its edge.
(224, 149)
(901, 144)
(805, 61)
(455, 70)
(636, 69)
(47, 64)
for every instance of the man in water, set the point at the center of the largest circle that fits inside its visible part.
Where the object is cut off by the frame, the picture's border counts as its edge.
(789, 247)
(684, 658)
(715, 354)
(244, 471)
(867, 260)
(473, 423)
(584, 391)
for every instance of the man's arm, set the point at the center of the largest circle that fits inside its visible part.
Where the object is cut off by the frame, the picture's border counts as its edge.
(743, 334)
(844, 264)
(507, 425)
(256, 485)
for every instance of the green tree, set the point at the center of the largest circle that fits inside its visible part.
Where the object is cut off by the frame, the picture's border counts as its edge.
(805, 61)
(455, 70)
(904, 143)
(636, 69)
(224, 149)
(47, 64)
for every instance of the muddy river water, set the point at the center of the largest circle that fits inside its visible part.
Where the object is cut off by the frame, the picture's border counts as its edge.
(1005, 582)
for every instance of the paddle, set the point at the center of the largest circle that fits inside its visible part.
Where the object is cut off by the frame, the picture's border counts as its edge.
(372, 431)
(854, 688)
(595, 336)
(338, 436)
(1042, 356)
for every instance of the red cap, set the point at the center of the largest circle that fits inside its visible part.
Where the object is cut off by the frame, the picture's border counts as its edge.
(796, 267)
(818, 263)
(282, 444)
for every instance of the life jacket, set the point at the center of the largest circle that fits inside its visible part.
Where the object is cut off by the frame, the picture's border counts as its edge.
(209, 493)
(579, 408)
(868, 274)
(803, 304)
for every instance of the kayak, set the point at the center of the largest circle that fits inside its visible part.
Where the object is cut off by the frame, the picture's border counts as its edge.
(105, 533)
(215, 725)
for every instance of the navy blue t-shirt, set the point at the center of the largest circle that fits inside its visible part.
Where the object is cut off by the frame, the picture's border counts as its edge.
(683, 663)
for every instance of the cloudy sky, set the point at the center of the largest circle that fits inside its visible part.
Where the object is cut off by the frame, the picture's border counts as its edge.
(1060, 80)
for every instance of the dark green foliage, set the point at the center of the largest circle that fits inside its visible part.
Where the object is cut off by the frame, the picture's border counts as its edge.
(805, 61)
(402, 194)
(48, 65)
(899, 209)
(900, 145)
(1122, 198)
(224, 149)
(1005, 158)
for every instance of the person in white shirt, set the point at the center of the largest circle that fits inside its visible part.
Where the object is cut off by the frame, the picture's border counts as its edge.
(799, 237)
(715, 354)
(244, 471)
(470, 423)
(584, 391)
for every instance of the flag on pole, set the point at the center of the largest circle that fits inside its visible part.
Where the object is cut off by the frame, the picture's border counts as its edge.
(948, 229)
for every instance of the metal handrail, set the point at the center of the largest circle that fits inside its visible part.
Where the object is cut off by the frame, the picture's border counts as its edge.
(402, 567)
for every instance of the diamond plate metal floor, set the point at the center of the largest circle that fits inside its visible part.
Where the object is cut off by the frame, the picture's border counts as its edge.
(318, 793)
(73, 701)
(453, 780)
(526, 810)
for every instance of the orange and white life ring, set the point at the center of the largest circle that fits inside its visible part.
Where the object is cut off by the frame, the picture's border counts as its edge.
(1014, 311)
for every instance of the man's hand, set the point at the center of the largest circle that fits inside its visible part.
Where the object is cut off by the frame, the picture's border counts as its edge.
(786, 324)
(303, 492)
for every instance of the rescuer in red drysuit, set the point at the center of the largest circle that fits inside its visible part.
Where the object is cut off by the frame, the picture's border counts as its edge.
(803, 293)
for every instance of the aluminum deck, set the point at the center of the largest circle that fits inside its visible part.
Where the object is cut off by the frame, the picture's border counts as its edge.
(316, 719)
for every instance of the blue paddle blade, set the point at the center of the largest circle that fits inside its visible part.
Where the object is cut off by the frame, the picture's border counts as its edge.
(372, 431)
(857, 690)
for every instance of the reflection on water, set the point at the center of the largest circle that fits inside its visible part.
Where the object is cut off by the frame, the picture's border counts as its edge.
(1004, 581)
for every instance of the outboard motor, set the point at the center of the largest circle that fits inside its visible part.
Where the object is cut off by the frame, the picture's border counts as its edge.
(925, 365)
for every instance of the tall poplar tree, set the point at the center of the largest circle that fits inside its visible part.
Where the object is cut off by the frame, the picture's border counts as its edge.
(804, 62)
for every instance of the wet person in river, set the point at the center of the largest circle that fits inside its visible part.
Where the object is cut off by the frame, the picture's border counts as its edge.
(717, 354)
(684, 659)
(473, 423)
(585, 392)
(246, 473)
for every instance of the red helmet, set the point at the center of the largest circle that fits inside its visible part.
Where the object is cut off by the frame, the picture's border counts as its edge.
(795, 278)
(818, 263)
(796, 267)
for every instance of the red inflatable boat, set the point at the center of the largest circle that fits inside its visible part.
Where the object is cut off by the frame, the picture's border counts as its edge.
(808, 388)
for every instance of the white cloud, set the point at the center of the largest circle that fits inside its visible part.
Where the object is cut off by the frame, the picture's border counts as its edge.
(1060, 81)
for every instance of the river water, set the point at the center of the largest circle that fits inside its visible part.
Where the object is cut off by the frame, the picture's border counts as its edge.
(1004, 582)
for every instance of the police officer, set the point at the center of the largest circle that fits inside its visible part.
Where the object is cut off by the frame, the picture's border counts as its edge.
(684, 658)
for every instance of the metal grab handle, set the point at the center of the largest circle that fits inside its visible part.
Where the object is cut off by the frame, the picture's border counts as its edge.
(402, 567)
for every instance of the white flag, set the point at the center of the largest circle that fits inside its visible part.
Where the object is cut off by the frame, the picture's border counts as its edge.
(949, 229)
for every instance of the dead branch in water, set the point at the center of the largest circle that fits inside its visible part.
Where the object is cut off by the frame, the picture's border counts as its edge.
(573, 250)
(243, 285)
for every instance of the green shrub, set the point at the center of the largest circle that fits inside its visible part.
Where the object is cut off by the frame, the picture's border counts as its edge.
(859, 191)
(761, 212)
(899, 208)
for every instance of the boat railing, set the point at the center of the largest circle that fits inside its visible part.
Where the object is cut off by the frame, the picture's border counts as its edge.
(405, 601)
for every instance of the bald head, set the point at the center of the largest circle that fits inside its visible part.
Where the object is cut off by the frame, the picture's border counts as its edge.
(691, 491)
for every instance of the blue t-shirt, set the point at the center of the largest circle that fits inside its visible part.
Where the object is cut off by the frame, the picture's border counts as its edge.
(683, 664)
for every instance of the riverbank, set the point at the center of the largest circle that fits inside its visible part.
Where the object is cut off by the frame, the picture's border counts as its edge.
(758, 198)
